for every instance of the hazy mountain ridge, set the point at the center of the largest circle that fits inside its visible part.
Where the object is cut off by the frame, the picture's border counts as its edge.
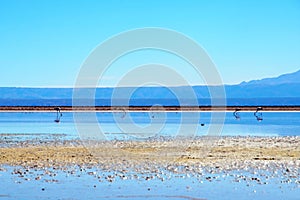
(286, 85)
(292, 78)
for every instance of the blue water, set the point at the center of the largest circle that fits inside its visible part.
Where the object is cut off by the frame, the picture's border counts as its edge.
(83, 186)
(112, 125)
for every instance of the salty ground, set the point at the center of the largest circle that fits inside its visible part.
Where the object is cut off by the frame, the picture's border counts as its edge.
(158, 168)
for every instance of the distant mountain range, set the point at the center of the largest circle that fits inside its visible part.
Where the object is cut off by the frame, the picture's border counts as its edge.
(286, 85)
(291, 78)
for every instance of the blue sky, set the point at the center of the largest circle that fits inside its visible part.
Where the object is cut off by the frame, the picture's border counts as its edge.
(44, 43)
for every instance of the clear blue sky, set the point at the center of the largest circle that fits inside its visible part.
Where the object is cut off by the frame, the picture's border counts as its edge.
(44, 42)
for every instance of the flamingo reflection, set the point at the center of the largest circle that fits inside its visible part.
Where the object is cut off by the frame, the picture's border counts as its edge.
(258, 114)
(58, 114)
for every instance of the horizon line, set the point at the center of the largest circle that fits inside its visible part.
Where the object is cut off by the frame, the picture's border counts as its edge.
(151, 86)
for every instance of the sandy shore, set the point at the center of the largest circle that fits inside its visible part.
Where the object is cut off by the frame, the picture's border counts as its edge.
(226, 153)
(145, 108)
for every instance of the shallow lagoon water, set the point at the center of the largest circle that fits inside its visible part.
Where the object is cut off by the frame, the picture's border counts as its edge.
(81, 185)
(273, 123)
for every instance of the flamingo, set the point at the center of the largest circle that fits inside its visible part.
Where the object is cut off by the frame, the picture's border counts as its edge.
(258, 115)
(236, 114)
(58, 114)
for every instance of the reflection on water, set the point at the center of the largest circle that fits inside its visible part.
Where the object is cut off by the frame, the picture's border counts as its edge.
(82, 184)
(78, 182)
(58, 114)
(236, 114)
(258, 114)
(114, 125)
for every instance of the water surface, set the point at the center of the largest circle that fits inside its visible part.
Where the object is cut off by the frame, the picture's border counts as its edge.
(273, 123)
